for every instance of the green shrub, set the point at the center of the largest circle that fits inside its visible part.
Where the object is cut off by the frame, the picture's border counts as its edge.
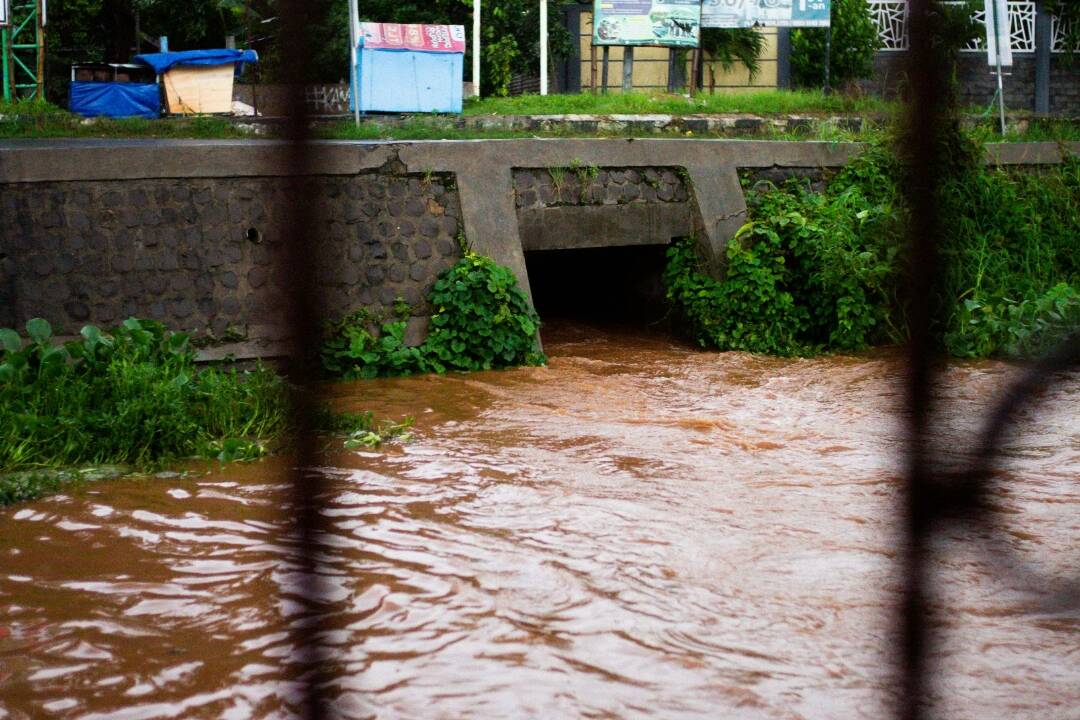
(851, 57)
(358, 347)
(816, 272)
(482, 321)
(132, 396)
(810, 272)
(1010, 253)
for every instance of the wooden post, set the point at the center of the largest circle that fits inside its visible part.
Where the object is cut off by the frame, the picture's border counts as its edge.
(628, 69)
(592, 69)
(604, 73)
(41, 20)
(694, 58)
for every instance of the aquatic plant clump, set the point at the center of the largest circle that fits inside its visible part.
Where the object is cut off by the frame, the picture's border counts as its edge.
(132, 396)
(482, 321)
(816, 272)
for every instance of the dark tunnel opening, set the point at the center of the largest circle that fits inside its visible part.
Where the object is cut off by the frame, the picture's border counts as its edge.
(608, 286)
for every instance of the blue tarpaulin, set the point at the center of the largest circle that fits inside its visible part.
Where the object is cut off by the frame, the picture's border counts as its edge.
(162, 62)
(115, 99)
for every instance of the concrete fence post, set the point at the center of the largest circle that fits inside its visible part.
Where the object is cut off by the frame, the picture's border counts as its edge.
(1043, 41)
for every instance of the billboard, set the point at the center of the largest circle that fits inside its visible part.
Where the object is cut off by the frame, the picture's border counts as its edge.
(772, 13)
(669, 23)
(3, 12)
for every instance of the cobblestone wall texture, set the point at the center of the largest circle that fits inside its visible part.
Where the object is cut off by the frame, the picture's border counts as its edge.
(200, 255)
(537, 188)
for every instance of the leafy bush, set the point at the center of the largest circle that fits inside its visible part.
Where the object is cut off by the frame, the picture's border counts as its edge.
(814, 272)
(132, 396)
(851, 57)
(810, 272)
(483, 321)
(1012, 270)
(1017, 328)
(358, 347)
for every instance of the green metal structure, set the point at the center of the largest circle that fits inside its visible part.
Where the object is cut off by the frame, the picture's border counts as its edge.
(22, 47)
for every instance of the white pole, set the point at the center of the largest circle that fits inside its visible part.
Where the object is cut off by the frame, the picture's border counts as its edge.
(476, 48)
(997, 60)
(543, 47)
(998, 45)
(354, 41)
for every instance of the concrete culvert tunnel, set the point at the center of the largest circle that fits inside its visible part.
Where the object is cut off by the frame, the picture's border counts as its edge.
(621, 285)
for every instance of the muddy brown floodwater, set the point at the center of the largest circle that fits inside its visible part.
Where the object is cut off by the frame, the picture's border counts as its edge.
(637, 530)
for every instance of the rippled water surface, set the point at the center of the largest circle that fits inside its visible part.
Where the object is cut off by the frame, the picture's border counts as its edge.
(637, 530)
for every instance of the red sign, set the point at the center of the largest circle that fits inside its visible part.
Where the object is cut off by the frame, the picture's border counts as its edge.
(425, 38)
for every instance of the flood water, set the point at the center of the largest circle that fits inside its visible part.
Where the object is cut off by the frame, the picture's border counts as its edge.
(638, 530)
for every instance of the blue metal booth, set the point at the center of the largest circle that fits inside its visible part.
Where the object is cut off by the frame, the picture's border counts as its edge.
(409, 68)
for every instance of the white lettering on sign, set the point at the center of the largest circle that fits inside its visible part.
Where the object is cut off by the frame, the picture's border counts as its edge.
(439, 36)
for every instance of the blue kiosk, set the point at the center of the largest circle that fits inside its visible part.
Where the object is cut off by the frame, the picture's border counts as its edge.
(409, 68)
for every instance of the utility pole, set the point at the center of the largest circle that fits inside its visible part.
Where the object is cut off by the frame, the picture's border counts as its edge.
(543, 47)
(476, 48)
(354, 43)
(828, 59)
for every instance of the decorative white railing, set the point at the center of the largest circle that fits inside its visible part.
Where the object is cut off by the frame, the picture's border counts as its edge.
(1059, 31)
(891, 18)
(1021, 27)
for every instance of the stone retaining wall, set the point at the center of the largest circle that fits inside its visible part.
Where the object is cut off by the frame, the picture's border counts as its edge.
(204, 255)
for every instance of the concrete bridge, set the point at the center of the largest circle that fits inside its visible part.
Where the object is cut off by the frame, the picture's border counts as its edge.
(188, 232)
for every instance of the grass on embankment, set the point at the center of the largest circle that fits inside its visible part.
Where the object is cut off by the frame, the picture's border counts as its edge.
(28, 120)
(130, 397)
(134, 399)
(32, 119)
(769, 102)
(442, 128)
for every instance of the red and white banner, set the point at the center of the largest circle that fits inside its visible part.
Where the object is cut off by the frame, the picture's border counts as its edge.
(423, 38)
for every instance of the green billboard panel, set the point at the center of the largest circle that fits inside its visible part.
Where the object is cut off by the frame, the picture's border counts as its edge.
(768, 13)
(668, 23)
